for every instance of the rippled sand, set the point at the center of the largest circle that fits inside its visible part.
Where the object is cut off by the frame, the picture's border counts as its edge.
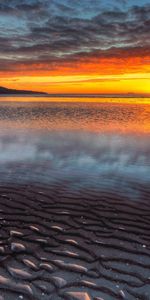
(56, 244)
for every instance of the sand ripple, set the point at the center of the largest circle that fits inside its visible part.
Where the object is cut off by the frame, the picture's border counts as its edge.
(84, 246)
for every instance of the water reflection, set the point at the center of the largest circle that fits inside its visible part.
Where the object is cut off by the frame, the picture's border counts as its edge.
(96, 117)
(96, 145)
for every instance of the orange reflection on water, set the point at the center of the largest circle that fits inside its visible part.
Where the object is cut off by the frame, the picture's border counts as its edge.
(95, 115)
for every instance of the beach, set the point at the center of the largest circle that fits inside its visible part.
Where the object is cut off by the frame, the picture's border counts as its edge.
(74, 150)
(74, 201)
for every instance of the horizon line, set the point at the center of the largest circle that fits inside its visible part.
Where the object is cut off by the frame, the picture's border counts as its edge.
(77, 95)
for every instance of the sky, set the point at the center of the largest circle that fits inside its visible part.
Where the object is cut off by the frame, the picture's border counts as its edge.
(74, 46)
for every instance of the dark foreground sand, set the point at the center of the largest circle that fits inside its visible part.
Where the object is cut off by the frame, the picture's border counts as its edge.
(58, 245)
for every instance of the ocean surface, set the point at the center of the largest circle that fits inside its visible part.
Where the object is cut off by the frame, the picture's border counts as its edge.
(74, 199)
(96, 145)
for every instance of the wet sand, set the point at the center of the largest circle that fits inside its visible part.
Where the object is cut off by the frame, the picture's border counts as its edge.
(61, 244)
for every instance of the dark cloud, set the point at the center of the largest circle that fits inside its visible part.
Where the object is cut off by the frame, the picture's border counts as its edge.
(51, 62)
(60, 30)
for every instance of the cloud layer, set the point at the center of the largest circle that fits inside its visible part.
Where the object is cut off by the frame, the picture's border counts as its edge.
(50, 34)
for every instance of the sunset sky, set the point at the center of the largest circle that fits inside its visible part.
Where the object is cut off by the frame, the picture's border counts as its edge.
(75, 46)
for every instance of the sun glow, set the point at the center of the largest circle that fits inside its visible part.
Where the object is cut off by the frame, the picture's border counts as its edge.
(124, 83)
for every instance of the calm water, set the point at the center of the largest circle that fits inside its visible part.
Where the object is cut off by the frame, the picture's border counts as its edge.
(103, 146)
(74, 200)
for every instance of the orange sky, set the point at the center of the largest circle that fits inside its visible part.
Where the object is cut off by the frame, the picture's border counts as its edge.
(115, 75)
(88, 75)
(69, 48)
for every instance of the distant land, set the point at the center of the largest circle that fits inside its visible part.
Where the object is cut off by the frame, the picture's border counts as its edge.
(6, 92)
